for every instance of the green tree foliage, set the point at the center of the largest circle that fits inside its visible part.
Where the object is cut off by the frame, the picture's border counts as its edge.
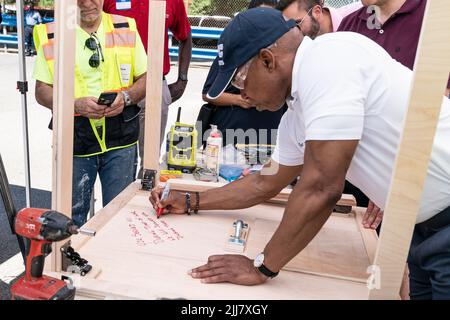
(217, 7)
(38, 3)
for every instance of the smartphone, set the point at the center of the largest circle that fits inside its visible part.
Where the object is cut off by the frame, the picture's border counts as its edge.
(107, 98)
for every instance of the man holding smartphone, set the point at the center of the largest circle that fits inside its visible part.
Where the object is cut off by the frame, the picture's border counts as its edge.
(110, 74)
(177, 22)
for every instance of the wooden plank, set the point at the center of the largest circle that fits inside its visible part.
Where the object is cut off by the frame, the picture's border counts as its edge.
(304, 287)
(94, 289)
(337, 251)
(370, 236)
(281, 198)
(102, 217)
(431, 72)
(156, 34)
(171, 259)
(63, 113)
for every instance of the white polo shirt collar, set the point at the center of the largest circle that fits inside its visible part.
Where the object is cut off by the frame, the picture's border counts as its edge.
(306, 43)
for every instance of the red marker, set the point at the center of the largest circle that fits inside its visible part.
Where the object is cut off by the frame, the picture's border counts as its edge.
(164, 196)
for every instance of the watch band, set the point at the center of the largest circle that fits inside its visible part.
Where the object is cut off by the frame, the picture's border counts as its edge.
(265, 271)
(183, 77)
(188, 203)
(197, 203)
(127, 98)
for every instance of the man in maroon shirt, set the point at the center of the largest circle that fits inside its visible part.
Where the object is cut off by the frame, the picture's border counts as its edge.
(177, 22)
(396, 27)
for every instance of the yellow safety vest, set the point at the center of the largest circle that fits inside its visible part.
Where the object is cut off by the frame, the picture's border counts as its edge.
(120, 43)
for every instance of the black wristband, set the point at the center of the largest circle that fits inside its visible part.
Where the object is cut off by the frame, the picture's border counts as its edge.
(197, 202)
(182, 77)
(188, 203)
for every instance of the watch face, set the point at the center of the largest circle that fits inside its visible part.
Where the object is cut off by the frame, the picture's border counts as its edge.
(126, 98)
(259, 260)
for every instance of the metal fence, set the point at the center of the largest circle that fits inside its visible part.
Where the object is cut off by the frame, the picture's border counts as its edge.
(338, 3)
(217, 13)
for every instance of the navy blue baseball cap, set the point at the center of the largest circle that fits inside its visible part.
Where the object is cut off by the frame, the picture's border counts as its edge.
(243, 38)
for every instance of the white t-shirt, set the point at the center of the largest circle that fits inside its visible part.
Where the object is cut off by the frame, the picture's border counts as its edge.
(347, 87)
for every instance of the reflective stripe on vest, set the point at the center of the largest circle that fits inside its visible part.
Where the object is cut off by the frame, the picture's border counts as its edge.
(120, 39)
(121, 36)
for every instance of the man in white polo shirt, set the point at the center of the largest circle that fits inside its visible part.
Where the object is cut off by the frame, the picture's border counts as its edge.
(347, 101)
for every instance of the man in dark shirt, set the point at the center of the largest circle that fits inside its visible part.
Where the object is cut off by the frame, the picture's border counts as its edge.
(238, 121)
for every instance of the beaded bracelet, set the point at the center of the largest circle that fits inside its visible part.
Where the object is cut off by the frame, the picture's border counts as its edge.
(197, 203)
(188, 203)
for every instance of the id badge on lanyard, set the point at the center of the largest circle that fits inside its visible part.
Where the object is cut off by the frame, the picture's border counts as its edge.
(123, 4)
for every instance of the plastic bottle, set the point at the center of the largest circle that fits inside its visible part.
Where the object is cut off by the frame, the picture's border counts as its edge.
(213, 150)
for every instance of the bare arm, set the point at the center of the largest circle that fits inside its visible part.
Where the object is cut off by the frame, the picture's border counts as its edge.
(86, 106)
(137, 93)
(44, 94)
(312, 201)
(309, 206)
(185, 54)
(251, 190)
(228, 99)
(243, 193)
(184, 59)
(137, 90)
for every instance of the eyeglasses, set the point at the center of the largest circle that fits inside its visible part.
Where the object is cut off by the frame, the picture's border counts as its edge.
(93, 44)
(242, 71)
(300, 21)
(241, 75)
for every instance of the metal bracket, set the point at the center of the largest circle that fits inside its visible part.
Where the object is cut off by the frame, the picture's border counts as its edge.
(240, 233)
(22, 86)
(148, 181)
(73, 262)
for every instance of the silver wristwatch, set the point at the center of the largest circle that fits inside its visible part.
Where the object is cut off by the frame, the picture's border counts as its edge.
(258, 263)
(127, 98)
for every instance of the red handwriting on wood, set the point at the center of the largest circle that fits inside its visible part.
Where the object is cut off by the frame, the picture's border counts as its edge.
(146, 230)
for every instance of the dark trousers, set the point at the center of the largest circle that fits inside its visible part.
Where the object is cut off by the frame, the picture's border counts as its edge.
(29, 42)
(429, 259)
(361, 198)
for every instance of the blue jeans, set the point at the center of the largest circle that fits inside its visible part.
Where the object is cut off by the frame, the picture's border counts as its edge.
(429, 259)
(29, 41)
(116, 169)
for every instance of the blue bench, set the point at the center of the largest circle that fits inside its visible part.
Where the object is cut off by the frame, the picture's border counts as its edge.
(8, 39)
(200, 35)
(10, 20)
(211, 35)
(200, 54)
(206, 33)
